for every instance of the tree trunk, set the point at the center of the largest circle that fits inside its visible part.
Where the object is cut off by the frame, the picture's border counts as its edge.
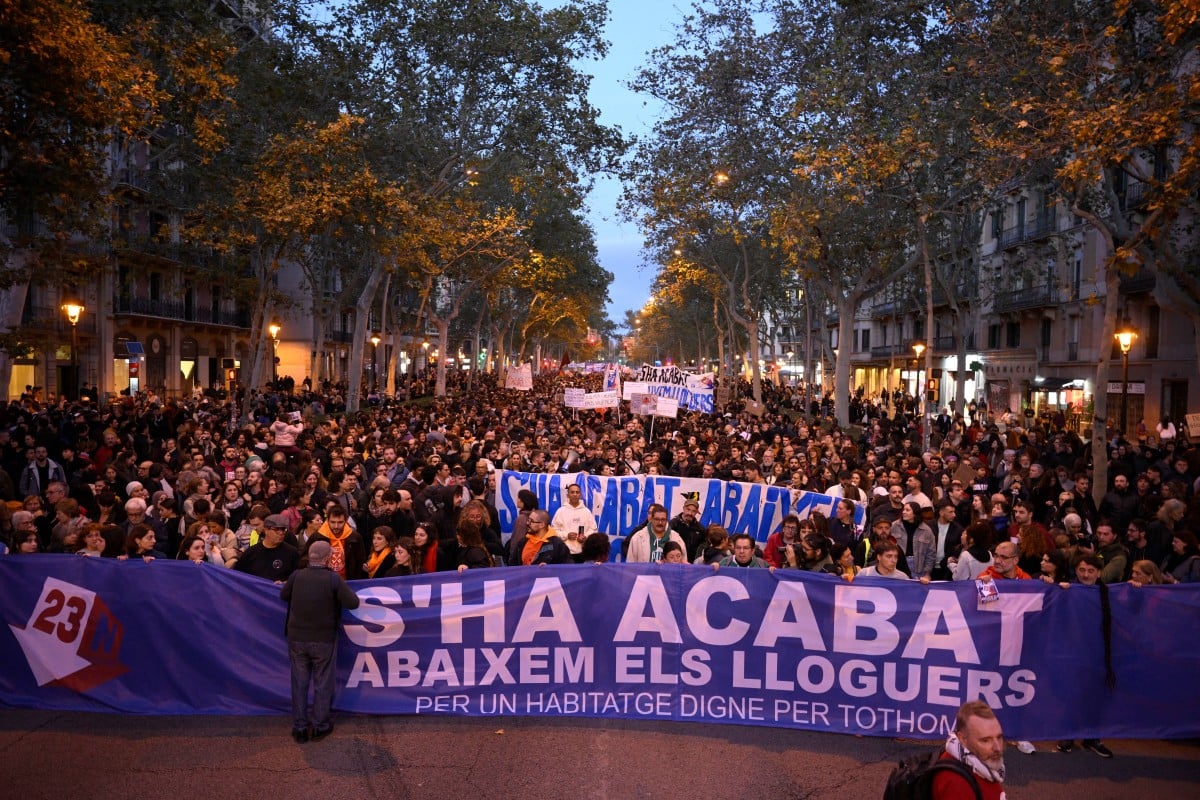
(258, 331)
(362, 319)
(1112, 289)
(443, 329)
(841, 360)
(923, 399)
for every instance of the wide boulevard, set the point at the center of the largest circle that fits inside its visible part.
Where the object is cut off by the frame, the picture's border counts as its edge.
(83, 756)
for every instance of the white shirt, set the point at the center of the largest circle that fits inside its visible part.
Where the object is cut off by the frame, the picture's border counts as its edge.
(570, 518)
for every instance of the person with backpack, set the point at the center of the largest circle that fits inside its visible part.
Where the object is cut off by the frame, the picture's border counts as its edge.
(970, 767)
(977, 742)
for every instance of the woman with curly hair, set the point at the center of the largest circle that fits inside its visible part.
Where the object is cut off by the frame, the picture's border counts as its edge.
(407, 558)
(1031, 544)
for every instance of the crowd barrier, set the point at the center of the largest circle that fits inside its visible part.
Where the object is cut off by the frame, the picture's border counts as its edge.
(662, 642)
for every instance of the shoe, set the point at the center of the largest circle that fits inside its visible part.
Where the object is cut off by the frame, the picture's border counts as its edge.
(300, 735)
(321, 733)
(1066, 747)
(1098, 748)
(1026, 747)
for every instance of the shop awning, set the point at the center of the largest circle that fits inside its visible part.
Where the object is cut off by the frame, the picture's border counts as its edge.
(1053, 384)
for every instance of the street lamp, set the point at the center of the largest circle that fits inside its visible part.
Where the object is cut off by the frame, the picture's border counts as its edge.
(73, 307)
(425, 356)
(274, 328)
(922, 405)
(1125, 337)
(375, 340)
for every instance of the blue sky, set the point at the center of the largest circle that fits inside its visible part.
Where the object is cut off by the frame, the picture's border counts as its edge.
(635, 27)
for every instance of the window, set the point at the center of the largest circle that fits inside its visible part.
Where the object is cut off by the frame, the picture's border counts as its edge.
(1045, 333)
(997, 223)
(155, 286)
(866, 340)
(1152, 323)
(1021, 215)
(1162, 165)
(993, 337)
(1013, 334)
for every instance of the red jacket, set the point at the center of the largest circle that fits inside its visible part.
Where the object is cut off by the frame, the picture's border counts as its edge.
(991, 574)
(950, 786)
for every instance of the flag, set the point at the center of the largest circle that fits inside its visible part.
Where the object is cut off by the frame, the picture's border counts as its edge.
(612, 379)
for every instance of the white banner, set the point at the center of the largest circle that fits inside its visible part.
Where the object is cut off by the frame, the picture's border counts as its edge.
(601, 400)
(519, 377)
(693, 392)
(653, 405)
(573, 398)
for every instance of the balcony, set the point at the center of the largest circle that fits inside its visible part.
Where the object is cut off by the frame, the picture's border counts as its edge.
(945, 344)
(129, 245)
(1027, 298)
(53, 318)
(1133, 197)
(965, 288)
(1040, 227)
(889, 351)
(133, 178)
(175, 310)
(1141, 281)
(881, 309)
(340, 336)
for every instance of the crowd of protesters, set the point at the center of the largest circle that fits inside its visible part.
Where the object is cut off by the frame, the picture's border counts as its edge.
(408, 486)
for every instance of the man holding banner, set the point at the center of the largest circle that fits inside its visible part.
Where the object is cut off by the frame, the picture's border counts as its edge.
(573, 522)
(315, 596)
(646, 545)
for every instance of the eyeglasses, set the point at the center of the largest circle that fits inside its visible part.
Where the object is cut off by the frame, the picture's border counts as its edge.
(1002, 557)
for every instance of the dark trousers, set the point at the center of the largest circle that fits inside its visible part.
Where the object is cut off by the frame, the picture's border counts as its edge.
(312, 663)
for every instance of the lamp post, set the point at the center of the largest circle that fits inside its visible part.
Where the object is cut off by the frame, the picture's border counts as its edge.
(274, 328)
(1125, 337)
(74, 310)
(375, 340)
(425, 356)
(922, 406)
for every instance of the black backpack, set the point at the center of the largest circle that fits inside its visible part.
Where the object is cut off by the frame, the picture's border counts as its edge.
(912, 779)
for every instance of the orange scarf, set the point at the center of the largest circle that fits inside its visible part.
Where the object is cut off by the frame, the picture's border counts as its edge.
(337, 552)
(375, 560)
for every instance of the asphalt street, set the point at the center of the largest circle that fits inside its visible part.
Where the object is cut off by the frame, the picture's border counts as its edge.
(83, 756)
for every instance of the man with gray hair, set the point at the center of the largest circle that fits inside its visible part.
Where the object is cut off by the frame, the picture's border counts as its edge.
(315, 596)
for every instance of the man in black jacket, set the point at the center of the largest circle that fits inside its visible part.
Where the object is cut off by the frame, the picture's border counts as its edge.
(315, 597)
(272, 557)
